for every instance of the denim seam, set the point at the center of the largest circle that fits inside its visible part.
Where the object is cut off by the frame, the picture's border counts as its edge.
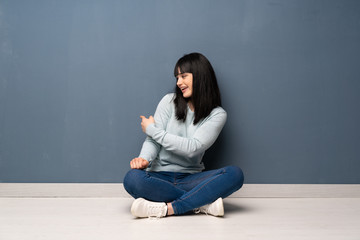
(204, 178)
(200, 180)
(148, 175)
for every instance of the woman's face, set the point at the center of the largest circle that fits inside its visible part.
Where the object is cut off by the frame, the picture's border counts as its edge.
(185, 83)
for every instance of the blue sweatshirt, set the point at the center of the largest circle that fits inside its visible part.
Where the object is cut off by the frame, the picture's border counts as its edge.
(177, 146)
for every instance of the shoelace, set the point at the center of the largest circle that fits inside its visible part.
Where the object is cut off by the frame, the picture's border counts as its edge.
(155, 211)
(203, 209)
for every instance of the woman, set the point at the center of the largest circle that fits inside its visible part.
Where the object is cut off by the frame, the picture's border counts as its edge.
(168, 178)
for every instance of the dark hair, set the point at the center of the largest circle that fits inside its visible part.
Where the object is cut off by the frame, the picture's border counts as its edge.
(205, 93)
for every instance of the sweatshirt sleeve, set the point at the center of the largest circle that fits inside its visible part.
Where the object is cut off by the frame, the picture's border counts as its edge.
(151, 148)
(203, 138)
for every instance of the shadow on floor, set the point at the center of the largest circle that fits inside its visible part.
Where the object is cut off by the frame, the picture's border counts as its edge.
(236, 208)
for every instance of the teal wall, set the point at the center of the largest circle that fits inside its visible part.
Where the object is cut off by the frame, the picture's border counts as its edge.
(76, 74)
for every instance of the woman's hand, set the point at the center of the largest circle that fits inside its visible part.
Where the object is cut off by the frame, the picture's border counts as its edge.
(139, 163)
(145, 122)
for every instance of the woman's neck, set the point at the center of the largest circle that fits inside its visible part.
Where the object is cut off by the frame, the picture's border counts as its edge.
(191, 106)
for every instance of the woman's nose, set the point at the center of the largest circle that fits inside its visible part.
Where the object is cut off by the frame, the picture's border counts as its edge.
(179, 81)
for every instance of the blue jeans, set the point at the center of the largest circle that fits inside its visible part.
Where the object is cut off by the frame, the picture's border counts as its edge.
(184, 191)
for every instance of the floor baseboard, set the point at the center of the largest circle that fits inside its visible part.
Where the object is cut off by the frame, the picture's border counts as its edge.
(108, 190)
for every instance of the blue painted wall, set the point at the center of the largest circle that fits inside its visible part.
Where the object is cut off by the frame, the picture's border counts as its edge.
(75, 76)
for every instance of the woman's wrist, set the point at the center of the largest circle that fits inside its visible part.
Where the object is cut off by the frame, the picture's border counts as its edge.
(150, 130)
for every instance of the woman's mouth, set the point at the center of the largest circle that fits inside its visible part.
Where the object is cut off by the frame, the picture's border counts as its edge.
(183, 89)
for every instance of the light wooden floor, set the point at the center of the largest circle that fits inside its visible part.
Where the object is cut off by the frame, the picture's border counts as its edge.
(245, 218)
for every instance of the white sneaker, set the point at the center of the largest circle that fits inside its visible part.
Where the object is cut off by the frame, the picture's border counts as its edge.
(143, 208)
(216, 208)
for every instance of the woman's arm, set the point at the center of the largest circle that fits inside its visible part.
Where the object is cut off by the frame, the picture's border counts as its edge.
(151, 148)
(203, 138)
